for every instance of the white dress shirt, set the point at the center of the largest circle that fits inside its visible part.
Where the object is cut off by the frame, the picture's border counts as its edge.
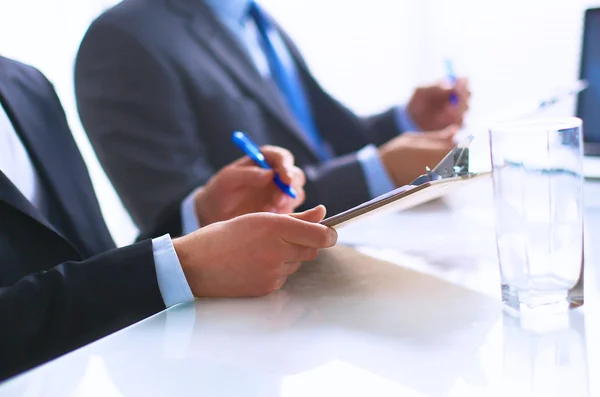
(16, 164)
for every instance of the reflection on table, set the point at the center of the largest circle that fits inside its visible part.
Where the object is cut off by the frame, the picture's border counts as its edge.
(426, 321)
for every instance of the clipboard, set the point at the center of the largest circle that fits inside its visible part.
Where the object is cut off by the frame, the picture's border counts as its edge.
(400, 199)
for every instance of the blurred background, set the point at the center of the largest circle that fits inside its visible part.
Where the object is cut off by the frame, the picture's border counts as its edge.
(370, 55)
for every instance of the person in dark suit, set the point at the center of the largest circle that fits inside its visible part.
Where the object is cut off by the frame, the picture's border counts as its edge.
(63, 283)
(161, 85)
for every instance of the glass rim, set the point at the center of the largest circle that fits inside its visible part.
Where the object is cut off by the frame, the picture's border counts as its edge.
(536, 125)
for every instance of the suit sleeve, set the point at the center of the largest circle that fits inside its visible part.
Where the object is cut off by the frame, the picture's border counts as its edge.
(117, 79)
(169, 221)
(49, 313)
(338, 184)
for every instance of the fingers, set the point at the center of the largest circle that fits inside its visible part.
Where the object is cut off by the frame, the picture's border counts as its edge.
(283, 203)
(464, 95)
(307, 234)
(277, 156)
(442, 146)
(279, 283)
(233, 177)
(455, 113)
(446, 134)
(462, 87)
(287, 269)
(298, 254)
(279, 159)
(298, 182)
(300, 197)
(298, 177)
(444, 88)
(314, 215)
(290, 268)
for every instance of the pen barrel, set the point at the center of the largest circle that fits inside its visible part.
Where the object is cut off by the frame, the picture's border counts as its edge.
(453, 98)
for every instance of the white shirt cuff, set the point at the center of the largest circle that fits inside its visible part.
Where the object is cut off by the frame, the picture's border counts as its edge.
(404, 122)
(378, 180)
(172, 283)
(189, 217)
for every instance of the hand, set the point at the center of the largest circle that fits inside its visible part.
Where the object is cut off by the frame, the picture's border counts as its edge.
(405, 157)
(251, 255)
(430, 107)
(243, 188)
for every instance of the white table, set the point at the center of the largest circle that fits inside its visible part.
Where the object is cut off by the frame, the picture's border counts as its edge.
(394, 332)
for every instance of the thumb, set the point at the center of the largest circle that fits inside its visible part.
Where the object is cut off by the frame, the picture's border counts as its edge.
(314, 215)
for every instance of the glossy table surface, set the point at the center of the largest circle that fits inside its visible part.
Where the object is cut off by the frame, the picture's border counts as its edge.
(426, 321)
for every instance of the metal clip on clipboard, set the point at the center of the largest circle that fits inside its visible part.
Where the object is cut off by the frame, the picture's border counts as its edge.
(453, 170)
(455, 163)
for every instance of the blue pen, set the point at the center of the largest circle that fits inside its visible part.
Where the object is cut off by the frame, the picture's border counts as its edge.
(452, 80)
(243, 142)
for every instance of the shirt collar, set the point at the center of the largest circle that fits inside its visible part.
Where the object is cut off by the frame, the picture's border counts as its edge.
(233, 10)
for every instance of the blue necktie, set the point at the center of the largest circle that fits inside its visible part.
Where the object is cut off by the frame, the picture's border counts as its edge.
(288, 81)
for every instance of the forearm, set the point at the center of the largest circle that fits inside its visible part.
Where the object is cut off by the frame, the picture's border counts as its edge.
(383, 127)
(49, 313)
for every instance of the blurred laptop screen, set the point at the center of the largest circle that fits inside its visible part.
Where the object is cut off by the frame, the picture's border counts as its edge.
(588, 107)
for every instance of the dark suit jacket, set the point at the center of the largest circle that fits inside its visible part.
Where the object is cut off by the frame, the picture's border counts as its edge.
(62, 282)
(161, 85)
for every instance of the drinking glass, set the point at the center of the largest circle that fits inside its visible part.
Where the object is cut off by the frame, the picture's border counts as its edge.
(538, 198)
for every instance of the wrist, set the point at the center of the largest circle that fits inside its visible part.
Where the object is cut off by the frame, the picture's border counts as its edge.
(184, 255)
(385, 156)
(412, 115)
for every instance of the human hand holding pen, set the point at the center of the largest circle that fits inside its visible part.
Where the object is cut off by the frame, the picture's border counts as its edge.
(435, 107)
(242, 188)
(452, 80)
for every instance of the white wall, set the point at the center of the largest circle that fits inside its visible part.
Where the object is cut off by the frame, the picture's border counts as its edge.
(367, 53)
(46, 34)
(370, 54)
(510, 49)
(375, 54)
